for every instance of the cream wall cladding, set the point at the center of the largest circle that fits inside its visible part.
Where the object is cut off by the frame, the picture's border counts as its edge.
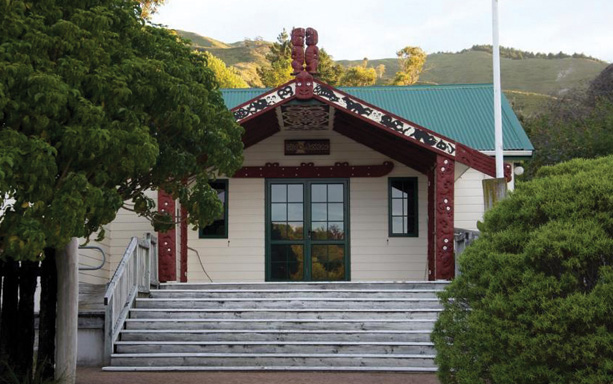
(373, 254)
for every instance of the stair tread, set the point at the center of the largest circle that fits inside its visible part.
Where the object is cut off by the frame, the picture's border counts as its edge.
(409, 343)
(268, 368)
(359, 299)
(271, 331)
(284, 355)
(283, 310)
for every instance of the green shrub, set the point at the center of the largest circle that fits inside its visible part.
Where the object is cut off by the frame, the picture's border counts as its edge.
(534, 302)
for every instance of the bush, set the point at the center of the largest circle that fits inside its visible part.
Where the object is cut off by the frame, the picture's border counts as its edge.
(534, 302)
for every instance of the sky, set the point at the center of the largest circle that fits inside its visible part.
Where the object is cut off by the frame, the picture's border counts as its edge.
(354, 29)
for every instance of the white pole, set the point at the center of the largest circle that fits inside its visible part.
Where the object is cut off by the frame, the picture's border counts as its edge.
(67, 313)
(497, 93)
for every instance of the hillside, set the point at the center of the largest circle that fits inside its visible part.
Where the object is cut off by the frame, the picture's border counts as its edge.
(527, 83)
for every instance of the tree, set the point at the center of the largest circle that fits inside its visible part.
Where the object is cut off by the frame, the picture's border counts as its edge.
(329, 71)
(359, 76)
(279, 69)
(227, 77)
(533, 301)
(411, 60)
(380, 69)
(580, 124)
(149, 7)
(97, 107)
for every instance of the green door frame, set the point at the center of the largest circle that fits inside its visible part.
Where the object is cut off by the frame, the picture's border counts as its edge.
(307, 241)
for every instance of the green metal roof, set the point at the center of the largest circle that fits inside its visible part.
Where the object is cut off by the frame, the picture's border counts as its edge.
(462, 112)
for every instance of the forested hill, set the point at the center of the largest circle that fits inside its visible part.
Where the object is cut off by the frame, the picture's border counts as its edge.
(528, 79)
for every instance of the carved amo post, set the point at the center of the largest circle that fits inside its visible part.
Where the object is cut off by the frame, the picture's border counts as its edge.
(444, 173)
(167, 251)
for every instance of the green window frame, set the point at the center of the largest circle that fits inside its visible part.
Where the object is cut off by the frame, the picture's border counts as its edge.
(402, 207)
(218, 229)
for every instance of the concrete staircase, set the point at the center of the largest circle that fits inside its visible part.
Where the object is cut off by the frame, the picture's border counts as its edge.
(339, 326)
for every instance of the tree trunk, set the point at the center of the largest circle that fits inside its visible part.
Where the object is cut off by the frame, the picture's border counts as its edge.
(67, 322)
(8, 330)
(46, 329)
(25, 319)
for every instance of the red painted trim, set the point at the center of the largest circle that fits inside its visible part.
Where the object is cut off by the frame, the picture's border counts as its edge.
(463, 154)
(183, 246)
(445, 180)
(431, 226)
(167, 242)
(308, 170)
(480, 162)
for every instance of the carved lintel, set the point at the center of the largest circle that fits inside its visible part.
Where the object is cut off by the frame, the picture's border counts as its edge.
(309, 170)
(444, 173)
(167, 241)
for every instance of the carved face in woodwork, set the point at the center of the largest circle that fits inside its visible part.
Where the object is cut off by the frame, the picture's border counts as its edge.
(304, 85)
(298, 37)
(311, 36)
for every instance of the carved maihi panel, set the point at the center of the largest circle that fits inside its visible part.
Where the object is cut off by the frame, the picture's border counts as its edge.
(381, 117)
(267, 100)
(305, 117)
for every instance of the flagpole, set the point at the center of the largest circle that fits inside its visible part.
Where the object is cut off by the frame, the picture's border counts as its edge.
(497, 94)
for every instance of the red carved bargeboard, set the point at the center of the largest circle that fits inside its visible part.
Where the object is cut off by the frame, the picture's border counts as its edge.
(309, 170)
(444, 174)
(167, 241)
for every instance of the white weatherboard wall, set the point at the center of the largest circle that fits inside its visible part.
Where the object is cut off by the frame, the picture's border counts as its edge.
(373, 255)
(117, 237)
(468, 199)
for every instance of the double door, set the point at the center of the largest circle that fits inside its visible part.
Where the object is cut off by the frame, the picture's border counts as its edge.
(306, 230)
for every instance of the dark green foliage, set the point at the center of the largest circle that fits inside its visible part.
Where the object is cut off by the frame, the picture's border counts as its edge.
(534, 301)
(278, 70)
(518, 54)
(577, 125)
(96, 107)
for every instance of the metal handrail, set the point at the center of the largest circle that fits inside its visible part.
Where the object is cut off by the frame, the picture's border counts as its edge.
(90, 268)
(133, 275)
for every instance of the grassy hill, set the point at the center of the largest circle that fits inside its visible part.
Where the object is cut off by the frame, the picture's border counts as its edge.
(527, 83)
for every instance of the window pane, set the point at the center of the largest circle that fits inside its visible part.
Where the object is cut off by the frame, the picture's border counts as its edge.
(219, 227)
(411, 225)
(328, 262)
(278, 231)
(279, 212)
(286, 262)
(294, 193)
(335, 193)
(318, 192)
(295, 230)
(279, 192)
(319, 230)
(397, 225)
(400, 188)
(335, 211)
(319, 212)
(336, 230)
(295, 212)
(396, 207)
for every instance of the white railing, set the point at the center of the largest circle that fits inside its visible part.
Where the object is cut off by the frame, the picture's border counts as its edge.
(136, 273)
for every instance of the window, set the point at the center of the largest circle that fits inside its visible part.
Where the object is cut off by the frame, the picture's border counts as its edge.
(403, 207)
(219, 228)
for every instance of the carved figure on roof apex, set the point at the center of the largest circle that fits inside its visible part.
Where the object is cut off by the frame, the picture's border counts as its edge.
(312, 52)
(298, 50)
